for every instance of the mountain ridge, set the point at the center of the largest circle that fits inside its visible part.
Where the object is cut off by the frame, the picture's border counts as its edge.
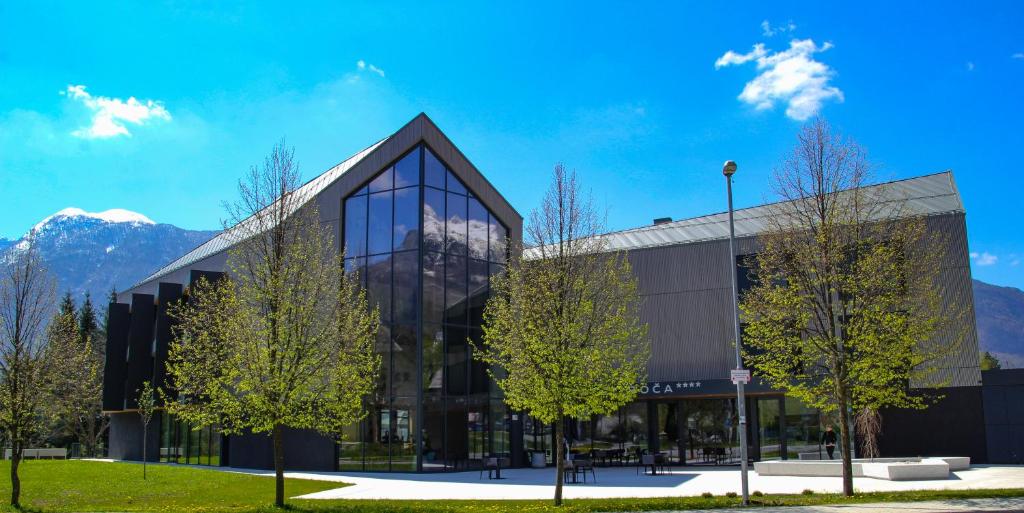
(97, 252)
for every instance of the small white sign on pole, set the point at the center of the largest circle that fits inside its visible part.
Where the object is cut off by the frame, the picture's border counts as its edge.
(739, 376)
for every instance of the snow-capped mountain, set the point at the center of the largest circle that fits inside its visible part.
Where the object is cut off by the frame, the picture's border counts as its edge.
(98, 251)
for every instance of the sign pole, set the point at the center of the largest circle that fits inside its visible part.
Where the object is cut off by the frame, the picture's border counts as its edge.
(728, 169)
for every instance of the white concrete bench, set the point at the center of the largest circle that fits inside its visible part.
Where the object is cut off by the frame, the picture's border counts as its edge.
(892, 469)
(48, 453)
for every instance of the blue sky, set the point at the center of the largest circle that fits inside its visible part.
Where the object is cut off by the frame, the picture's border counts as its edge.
(628, 95)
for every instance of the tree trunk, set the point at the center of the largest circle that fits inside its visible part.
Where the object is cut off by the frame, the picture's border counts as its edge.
(844, 436)
(144, 444)
(278, 466)
(559, 458)
(15, 480)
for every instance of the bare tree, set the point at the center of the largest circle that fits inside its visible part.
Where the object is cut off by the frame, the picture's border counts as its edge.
(26, 300)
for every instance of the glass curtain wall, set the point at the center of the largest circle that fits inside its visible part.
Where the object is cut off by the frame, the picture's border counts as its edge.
(181, 443)
(425, 247)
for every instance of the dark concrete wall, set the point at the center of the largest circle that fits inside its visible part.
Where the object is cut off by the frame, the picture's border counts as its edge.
(1004, 415)
(126, 437)
(303, 450)
(954, 426)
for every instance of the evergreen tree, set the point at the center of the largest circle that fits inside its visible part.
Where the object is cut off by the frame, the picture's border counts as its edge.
(87, 325)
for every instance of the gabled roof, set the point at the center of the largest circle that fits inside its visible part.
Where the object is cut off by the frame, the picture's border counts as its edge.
(358, 168)
(927, 195)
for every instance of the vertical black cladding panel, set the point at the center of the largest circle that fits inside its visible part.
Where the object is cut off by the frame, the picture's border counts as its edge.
(118, 317)
(140, 347)
(168, 294)
(211, 276)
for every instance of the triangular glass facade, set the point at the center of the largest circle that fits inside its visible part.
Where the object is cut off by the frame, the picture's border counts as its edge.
(425, 247)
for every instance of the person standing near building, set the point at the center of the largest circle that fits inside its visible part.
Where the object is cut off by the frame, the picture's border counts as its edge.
(829, 439)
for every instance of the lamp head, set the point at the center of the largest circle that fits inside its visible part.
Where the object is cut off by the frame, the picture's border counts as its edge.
(729, 168)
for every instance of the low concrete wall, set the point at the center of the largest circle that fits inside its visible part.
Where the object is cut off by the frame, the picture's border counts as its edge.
(892, 469)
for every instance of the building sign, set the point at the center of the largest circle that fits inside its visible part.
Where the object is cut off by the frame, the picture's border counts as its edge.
(739, 376)
(668, 388)
(695, 387)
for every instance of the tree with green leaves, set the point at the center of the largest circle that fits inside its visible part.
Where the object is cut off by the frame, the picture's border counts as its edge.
(989, 362)
(562, 332)
(26, 302)
(147, 407)
(286, 339)
(77, 383)
(846, 303)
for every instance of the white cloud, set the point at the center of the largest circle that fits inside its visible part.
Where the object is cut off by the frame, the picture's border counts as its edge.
(1018, 55)
(970, 66)
(364, 66)
(791, 76)
(768, 30)
(111, 114)
(984, 258)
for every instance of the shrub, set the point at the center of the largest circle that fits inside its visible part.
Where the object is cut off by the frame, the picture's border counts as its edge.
(757, 493)
(807, 491)
(707, 495)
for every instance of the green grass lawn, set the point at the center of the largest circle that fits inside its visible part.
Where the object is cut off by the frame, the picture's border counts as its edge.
(60, 486)
(99, 486)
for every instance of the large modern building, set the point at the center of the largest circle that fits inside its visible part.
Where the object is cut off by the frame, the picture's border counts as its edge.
(426, 229)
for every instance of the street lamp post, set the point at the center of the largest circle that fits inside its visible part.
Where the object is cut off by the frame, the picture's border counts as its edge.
(741, 404)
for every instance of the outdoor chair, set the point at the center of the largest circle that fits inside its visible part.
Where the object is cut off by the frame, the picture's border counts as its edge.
(582, 466)
(493, 466)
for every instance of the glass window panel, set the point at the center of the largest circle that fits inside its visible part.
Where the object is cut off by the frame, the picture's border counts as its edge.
(355, 226)
(433, 432)
(478, 230)
(433, 219)
(384, 181)
(356, 268)
(433, 287)
(457, 351)
(454, 185)
(403, 452)
(407, 218)
(364, 190)
(580, 435)
(433, 360)
(478, 291)
(350, 448)
(497, 239)
(499, 428)
(404, 349)
(457, 433)
(378, 277)
(634, 420)
(803, 428)
(433, 170)
(377, 433)
(407, 170)
(455, 290)
(669, 440)
(768, 428)
(382, 346)
(406, 300)
(479, 381)
(457, 225)
(214, 447)
(380, 223)
(477, 424)
(608, 431)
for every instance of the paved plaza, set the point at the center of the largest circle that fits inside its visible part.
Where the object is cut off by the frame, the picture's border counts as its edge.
(625, 482)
